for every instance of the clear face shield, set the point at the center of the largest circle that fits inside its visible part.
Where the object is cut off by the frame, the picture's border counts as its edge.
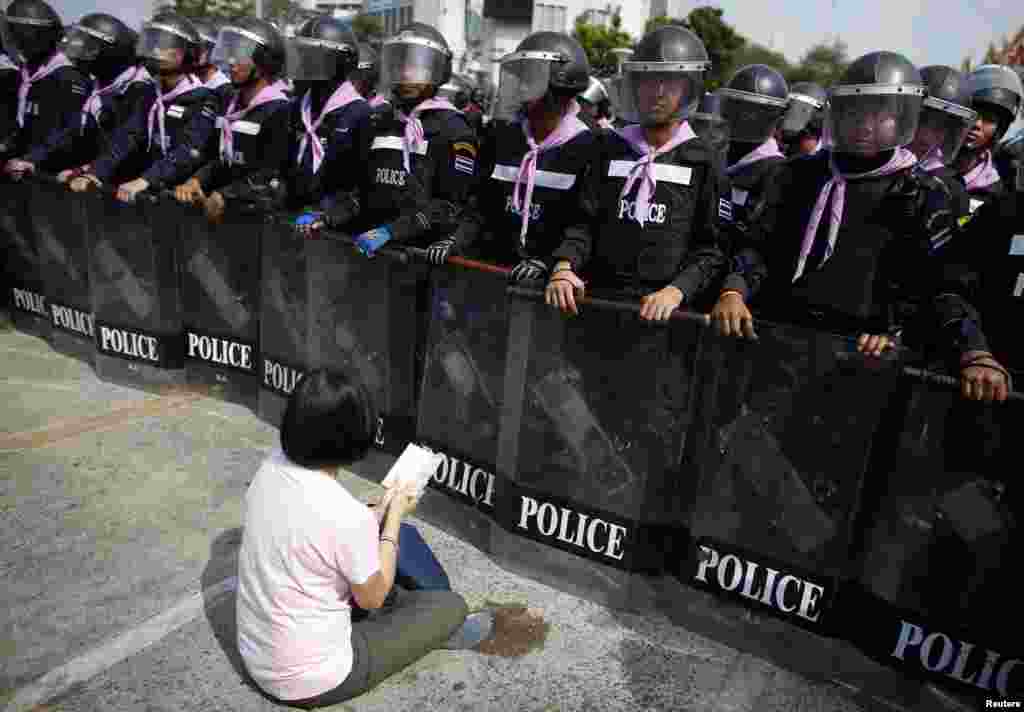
(162, 47)
(867, 119)
(799, 113)
(84, 45)
(658, 93)
(941, 130)
(524, 79)
(408, 66)
(312, 60)
(233, 53)
(752, 118)
(28, 39)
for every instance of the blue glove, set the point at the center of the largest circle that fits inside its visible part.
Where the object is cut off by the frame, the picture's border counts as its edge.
(372, 240)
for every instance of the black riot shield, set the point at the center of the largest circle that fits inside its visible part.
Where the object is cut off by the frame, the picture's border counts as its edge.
(25, 291)
(596, 412)
(363, 315)
(61, 229)
(135, 291)
(939, 574)
(284, 316)
(220, 277)
(787, 426)
(461, 398)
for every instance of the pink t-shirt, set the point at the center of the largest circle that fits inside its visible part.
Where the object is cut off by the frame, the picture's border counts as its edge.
(305, 539)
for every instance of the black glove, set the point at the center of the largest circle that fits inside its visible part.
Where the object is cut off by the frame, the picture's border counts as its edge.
(342, 213)
(529, 270)
(438, 252)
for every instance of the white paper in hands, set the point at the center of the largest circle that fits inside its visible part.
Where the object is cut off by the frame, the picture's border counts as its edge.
(410, 473)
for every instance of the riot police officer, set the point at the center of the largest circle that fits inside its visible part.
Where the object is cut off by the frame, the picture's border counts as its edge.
(655, 207)
(532, 159)
(8, 93)
(207, 69)
(996, 94)
(860, 262)
(104, 47)
(329, 118)
(173, 127)
(753, 103)
(52, 90)
(422, 159)
(709, 124)
(591, 100)
(366, 75)
(802, 125)
(252, 136)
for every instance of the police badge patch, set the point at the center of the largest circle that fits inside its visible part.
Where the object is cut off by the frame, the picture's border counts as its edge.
(465, 157)
(725, 209)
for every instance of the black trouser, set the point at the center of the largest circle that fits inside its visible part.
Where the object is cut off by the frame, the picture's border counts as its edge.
(393, 638)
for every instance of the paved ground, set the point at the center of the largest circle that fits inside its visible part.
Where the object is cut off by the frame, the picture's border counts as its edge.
(119, 528)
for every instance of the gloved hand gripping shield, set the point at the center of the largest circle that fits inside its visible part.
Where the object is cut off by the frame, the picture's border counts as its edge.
(525, 77)
(657, 93)
(865, 119)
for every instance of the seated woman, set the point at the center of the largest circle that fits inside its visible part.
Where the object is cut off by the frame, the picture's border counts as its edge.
(310, 549)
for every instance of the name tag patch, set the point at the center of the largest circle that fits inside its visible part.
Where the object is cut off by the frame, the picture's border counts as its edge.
(680, 175)
(396, 143)
(543, 179)
(176, 111)
(249, 128)
(1017, 245)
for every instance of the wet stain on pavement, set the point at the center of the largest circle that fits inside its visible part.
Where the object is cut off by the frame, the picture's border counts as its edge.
(518, 630)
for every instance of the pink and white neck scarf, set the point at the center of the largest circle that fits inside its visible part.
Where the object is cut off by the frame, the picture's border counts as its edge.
(378, 100)
(94, 104)
(227, 144)
(605, 123)
(569, 127)
(56, 62)
(342, 96)
(982, 175)
(768, 149)
(933, 160)
(158, 110)
(644, 168)
(901, 160)
(414, 127)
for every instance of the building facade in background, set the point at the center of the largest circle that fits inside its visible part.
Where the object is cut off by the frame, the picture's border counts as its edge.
(671, 8)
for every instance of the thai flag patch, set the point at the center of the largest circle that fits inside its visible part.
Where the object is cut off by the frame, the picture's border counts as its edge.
(465, 165)
(725, 209)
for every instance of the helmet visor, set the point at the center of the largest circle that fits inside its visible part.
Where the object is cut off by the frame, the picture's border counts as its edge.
(235, 46)
(524, 78)
(798, 115)
(84, 44)
(752, 118)
(712, 129)
(30, 38)
(412, 63)
(163, 43)
(941, 133)
(655, 93)
(312, 60)
(873, 120)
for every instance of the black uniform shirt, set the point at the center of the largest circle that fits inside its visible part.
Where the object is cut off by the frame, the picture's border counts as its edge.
(54, 103)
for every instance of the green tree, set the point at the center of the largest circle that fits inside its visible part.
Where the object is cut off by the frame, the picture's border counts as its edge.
(218, 10)
(368, 28)
(967, 65)
(823, 64)
(598, 41)
(991, 54)
(754, 53)
(721, 40)
(656, 22)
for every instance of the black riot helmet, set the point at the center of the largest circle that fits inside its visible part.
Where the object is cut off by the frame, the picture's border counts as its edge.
(367, 71)
(876, 105)
(595, 92)
(753, 102)
(251, 40)
(946, 115)
(456, 90)
(102, 45)
(806, 111)
(34, 30)
(415, 63)
(709, 124)
(324, 49)
(664, 79)
(997, 88)
(168, 44)
(544, 64)
(207, 30)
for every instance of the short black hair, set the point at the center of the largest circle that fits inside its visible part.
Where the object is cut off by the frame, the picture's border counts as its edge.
(330, 420)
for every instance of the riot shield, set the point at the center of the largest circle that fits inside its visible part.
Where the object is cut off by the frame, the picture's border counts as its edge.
(61, 230)
(787, 426)
(942, 545)
(23, 279)
(363, 315)
(220, 276)
(595, 415)
(461, 396)
(284, 316)
(136, 298)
